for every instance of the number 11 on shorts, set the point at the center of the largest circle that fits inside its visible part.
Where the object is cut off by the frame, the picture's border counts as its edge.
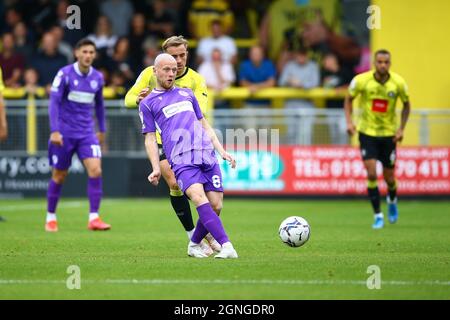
(96, 151)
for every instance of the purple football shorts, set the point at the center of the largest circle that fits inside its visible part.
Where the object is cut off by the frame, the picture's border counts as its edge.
(207, 173)
(60, 157)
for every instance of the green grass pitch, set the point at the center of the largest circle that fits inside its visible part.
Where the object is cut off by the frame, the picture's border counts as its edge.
(144, 255)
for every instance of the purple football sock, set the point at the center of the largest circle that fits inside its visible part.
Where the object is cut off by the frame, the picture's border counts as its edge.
(210, 222)
(95, 193)
(53, 194)
(199, 233)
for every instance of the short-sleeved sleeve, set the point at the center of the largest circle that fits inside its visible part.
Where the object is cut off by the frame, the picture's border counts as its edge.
(58, 84)
(147, 119)
(354, 87)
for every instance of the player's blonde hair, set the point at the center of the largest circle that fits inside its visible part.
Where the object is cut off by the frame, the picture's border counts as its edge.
(174, 41)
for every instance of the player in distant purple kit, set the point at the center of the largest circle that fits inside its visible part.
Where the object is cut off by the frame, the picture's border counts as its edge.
(189, 143)
(76, 90)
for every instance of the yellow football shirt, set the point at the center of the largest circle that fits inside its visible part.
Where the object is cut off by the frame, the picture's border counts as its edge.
(377, 101)
(189, 79)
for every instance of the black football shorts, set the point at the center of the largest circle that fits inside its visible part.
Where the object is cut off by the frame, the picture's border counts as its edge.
(379, 148)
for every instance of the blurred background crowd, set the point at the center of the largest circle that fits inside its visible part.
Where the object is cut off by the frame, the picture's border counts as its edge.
(255, 43)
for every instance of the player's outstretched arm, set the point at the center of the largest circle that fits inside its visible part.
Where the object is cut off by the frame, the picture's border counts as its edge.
(53, 111)
(216, 143)
(56, 93)
(152, 151)
(404, 119)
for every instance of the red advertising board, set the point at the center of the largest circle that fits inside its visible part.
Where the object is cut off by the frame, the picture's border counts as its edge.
(337, 170)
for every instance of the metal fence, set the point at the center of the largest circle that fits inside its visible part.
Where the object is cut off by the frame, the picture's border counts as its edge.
(315, 126)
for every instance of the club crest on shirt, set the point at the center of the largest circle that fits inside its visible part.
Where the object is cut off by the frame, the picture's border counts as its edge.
(75, 82)
(94, 84)
(183, 93)
(391, 94)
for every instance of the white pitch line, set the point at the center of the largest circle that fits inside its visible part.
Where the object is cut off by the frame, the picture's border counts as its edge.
(67, 204)
(73, 204)
(230, 282)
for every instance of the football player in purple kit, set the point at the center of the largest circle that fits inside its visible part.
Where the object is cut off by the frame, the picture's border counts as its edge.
(189, 143)
(76, 90)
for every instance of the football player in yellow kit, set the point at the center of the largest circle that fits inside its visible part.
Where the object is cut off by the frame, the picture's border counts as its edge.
(377, 127)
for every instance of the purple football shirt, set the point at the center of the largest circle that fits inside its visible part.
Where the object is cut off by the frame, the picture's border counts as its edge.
(73, 97)
(174, 113)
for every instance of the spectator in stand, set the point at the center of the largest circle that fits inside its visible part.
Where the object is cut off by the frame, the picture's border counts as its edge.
(256, 73)
(118, 84)
(30, 83)
(106, 75)
(218, 40)
(333, 76)
(137, 38)
(23, 41)
(120, 61)
(11, 62)
(202, 12)
(151, 51)
(103, 38)
(119, 12)
(63, 47)
(218, 73)
(301, 73)
(161, 21)
(47, 61)
(32, 88)
(12, 18)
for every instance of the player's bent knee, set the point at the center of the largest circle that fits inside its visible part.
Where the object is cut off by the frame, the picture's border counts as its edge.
(59, 176)
(95, 172)
(198, 199)
(217, 207)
